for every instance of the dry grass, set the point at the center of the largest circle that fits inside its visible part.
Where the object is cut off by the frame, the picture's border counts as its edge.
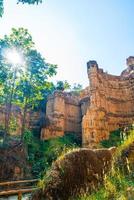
(117, 185)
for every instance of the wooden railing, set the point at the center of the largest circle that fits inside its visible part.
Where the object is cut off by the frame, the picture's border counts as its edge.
(18, 187)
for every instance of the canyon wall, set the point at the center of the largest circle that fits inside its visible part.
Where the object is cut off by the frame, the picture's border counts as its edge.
(33, 120)
(63, 114)
(105, 105)
(111, 102)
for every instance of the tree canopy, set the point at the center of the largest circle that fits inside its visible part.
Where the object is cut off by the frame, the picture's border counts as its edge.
(25, 83)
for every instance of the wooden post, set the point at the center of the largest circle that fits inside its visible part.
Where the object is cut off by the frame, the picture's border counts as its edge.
(19, 195)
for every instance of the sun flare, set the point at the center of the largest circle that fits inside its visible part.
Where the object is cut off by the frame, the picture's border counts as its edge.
(14, 57)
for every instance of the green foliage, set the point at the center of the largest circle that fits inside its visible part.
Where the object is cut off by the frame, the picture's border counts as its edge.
(62, 85)
(1, 8)
(13, 124)
(115, 187)
(25, 84)
(77, 88)
(41, 154)
(1, 127)
(19, 38)
(117, 137)
(28, 137)
(114, 139)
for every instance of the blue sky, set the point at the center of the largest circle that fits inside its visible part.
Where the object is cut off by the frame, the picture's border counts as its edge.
(71, 32)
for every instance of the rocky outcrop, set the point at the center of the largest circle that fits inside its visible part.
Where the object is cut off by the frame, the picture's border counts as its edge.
(78, 172)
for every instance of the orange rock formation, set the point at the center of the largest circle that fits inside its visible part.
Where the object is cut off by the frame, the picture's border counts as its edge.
(105, 105)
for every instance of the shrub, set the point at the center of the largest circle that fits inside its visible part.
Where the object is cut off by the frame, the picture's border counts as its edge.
(41, 154)
(114, 139)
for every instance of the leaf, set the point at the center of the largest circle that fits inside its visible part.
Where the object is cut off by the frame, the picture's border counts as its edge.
(1, 8)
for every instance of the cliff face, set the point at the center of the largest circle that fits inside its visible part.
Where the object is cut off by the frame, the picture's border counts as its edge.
(105, 105)
(32, 120)
(111, 102)
(64, 115)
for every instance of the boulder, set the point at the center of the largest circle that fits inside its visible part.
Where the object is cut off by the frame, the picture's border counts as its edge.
(78, 172)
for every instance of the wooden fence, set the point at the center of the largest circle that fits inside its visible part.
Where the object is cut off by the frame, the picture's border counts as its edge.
(17, 187)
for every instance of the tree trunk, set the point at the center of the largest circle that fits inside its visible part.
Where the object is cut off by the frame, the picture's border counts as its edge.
(24, 118)
(8, 108)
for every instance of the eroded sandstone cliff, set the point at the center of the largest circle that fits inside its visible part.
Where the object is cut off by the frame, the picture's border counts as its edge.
(111, 102)
(64, 115)
(105, 105)
(32, 120)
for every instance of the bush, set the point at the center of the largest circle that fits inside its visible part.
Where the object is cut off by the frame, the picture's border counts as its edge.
(41, 154)
(114, 140)
(28, 137)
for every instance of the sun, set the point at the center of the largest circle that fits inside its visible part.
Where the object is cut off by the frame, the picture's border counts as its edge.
(14, 57)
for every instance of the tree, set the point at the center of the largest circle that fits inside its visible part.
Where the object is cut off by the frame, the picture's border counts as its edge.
(34, 83)
(19, 1)
(20, 40)
(24, 86)
(62, 85)
(77, 88)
